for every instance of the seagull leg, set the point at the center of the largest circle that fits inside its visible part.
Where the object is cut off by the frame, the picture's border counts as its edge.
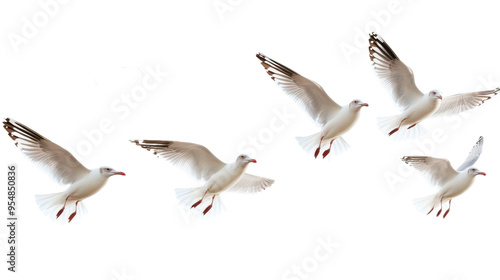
(209, 206)
(74, 213)
(447, 211)
(397, 128)
(199, 201)
(62, 209)
(317, 150)
(325, 153)
(439, 212)
(413, 125)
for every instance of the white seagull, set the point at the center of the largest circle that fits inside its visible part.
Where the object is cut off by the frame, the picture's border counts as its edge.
(63, 167)
(451, 183)
(203, 165)
(333, 119)
(415, 106)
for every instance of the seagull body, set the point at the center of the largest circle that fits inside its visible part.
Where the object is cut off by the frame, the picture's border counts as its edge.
(415, 106)
(451, 182)
(228, 176)
(334, 119)
(82, 182)
(219, 177)
(341, 123)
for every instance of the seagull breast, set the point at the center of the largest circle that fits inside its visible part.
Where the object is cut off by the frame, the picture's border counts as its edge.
(87, 186)
(225, 178)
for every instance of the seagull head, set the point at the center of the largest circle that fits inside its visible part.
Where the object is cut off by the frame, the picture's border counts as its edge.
(356, 104)
(244, 159)
(108, 171)
(474, 172)
(435, 94)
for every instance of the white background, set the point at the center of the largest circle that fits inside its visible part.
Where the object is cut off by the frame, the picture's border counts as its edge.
(63, 79)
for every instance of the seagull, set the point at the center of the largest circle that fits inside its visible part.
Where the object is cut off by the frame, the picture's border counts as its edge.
(63, 167)
(415, 106)
(203, 165)
(333, 119)
(451, 182)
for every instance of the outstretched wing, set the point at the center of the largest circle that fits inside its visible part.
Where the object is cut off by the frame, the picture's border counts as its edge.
(437, 170)
(194, 158)
(459, 103)
(473, 155)
(251, 184)
(62, 165)
(305, 92)
(393, 73)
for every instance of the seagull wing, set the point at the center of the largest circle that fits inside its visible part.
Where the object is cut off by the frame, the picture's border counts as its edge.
(251, 184)
(305, 92)
(53, 159)
(473, 155)
(194, 158)
(437, 170)
(393, 73)
(458, 103)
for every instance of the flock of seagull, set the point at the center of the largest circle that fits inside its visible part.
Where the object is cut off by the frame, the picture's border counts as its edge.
(335, 121)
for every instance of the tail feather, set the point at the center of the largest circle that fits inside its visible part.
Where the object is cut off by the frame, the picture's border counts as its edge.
(387, 124)
(189, 196)
(425, 204)
(50, 204)
(310, 144)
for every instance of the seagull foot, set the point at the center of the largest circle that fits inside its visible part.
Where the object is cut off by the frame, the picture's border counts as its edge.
(325, 153)
(411, 126)
(393, 131)
(71, 216)
(316, 153)
(207, 209)
(446, 213)
(197, 203)
(60, 212)
(439, 212)
(430, 211)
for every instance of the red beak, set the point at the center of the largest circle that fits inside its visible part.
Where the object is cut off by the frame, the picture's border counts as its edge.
(364, 104)
(119, 173)
(440, 97)
(481, 173)
(252, 160)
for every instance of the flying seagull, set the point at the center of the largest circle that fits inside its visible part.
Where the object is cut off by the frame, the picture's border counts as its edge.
(451, 182)
(415, 106)
(333, 119)
(63, 167)
(203, 165)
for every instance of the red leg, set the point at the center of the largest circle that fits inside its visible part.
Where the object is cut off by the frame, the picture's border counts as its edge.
(209, 206)
(199, 201)
(74, 213)
(62, 209)
(325, 153)
(413, 125)
(447, 211)
(439, 212)
(397, 128)
(319, 148)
